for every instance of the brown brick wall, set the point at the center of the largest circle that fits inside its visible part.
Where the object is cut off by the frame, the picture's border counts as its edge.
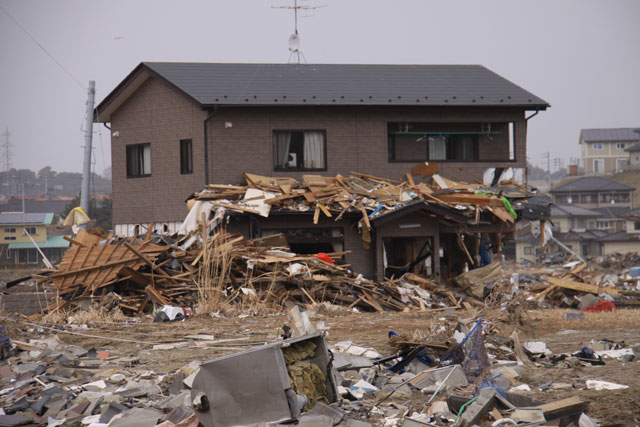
(356, 141)
(162, 116)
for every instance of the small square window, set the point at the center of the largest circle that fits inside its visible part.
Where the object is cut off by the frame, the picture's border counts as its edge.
(598, 146)
(186, 156)
(138, 160)
(620, 145)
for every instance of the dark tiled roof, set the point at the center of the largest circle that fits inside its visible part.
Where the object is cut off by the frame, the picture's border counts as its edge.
(572, 236)
(35, 206)
(591, 183)
(605, 135)
(212, 84)
(633, 213)
(619, 236)
(613, 212)
(558, 211)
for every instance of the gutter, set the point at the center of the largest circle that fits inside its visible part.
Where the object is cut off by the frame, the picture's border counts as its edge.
(206, 144)
(526, 119)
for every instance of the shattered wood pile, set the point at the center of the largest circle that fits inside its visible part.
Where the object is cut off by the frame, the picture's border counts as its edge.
(203, 264)
(370, 195)
(136, 273)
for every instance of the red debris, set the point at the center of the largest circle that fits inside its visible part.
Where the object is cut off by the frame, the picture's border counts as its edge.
(601, 306)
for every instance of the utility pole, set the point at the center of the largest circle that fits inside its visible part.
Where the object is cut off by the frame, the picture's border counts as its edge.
(548, 155)
(6, 158)
(88, 135)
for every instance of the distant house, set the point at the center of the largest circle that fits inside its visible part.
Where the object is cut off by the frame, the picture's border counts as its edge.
(592, 193)
(634, 155)
(17, 248)
(178, 126)
(591, 216)
(603, 150)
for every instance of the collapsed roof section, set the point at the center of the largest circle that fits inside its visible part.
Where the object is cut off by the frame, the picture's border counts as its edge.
(377, 200)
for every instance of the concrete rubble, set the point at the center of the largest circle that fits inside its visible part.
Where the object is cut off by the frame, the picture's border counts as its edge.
(465, 376)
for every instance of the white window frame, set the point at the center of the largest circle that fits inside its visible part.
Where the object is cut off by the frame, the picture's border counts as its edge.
(620, 145)
(598, 146)
(598, 161)
(624, 162)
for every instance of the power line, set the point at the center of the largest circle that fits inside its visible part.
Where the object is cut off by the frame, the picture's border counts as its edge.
(43, 49)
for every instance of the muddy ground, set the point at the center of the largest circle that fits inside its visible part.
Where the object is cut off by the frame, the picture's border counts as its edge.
(370, 329)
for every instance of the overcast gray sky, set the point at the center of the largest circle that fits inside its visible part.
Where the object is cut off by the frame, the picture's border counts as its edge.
(581, 56)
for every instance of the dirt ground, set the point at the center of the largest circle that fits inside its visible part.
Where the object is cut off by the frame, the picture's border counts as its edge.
(370, 329)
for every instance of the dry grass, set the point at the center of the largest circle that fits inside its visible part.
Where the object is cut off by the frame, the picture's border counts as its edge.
(551, 319)
(84, 316)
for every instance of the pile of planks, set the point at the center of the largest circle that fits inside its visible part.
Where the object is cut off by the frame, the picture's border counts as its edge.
(137, 273)
(370, 195)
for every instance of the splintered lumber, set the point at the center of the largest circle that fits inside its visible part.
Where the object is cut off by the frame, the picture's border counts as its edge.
(472, 199)
(579, 286)
(562, 408)
(155, 295)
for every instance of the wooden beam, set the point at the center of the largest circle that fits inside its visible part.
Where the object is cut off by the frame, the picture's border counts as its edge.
(562, 408)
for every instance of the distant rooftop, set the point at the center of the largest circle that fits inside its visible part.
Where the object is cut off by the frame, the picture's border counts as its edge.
(566, 210)
(606, 135)
(26, 218)
(591, 183)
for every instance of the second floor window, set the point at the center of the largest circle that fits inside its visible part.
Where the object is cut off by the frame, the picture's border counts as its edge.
(299, 150)
(31, 230)
(138, 160)
(186, 156)
(10, 230)
(598, 146)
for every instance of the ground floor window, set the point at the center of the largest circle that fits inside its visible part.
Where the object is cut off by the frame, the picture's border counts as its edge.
(310, 241)
(407, 255)
(528, 250)
(27, 256)
(598, 165)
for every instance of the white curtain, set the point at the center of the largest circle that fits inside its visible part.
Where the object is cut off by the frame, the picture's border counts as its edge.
(283, 142)
(146, 159)
(314, 150)
(437, 148)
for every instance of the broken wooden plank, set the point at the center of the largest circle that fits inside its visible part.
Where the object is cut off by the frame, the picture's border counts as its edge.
(571, 406)
(581, 287)
(155, 295)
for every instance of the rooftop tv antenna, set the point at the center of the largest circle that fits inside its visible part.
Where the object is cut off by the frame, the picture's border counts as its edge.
(296, 55)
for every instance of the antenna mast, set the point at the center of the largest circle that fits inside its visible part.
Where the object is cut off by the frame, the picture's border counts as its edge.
(296, 54)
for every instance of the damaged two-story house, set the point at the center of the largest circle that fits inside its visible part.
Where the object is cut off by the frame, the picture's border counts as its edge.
(178, 126)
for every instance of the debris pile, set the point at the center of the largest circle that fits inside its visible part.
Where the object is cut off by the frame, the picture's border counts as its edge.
(460, 374)
(371, 196)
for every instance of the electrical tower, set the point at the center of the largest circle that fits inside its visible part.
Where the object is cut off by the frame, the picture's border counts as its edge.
(296, 55)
